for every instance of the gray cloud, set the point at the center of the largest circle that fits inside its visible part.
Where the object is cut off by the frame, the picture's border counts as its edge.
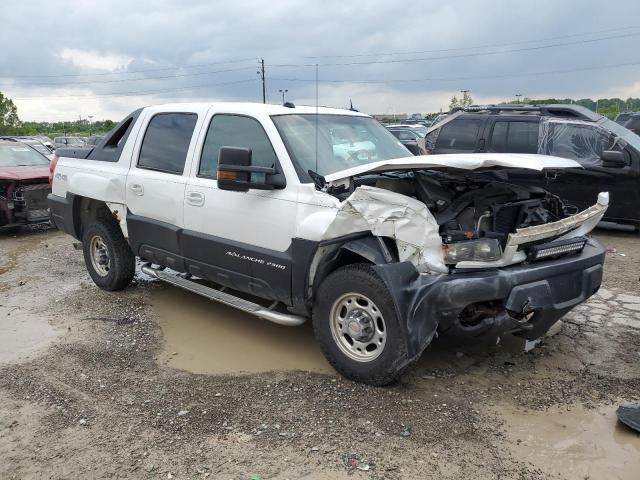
(176, 45)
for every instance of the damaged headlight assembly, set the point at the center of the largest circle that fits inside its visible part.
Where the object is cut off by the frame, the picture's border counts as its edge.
(482, 250)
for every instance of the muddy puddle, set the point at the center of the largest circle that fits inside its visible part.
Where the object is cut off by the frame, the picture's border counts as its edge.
(202, 336)
(22, 329)
(574, 444)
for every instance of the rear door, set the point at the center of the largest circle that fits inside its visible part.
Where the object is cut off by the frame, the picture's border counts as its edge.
(156, 184)
(459, 136)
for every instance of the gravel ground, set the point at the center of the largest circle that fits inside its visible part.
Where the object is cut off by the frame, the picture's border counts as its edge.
(92, 399)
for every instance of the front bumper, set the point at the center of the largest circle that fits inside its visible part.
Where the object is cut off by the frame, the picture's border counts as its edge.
(525, 299)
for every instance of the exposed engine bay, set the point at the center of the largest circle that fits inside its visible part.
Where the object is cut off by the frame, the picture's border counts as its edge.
(471, 206)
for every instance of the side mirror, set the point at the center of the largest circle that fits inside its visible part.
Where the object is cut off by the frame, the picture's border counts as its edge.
(235, 169)
(613, 159)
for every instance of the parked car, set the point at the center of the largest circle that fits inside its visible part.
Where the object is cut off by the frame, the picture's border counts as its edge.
(608, 152)
(631, 121)
(419, 128)
(61, 142)
(410, 138)
(93, 140)
(24, 185)
(33, 143)
(382, 255)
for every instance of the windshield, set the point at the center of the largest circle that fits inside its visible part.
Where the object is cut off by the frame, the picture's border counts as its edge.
(627, 135)
(40, 148)
(20, 156)
(74, 141)
(344, 141)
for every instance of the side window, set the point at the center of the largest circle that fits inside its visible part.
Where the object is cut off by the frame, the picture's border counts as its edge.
(235, 131)
(166, 142)
(515, 137)
(459, 135)
(582, 143)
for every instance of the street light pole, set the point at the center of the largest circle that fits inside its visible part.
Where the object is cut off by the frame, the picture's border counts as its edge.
(90, 118)
(518, 95)
(283, 92)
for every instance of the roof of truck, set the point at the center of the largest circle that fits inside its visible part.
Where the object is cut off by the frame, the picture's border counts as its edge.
(255, 108)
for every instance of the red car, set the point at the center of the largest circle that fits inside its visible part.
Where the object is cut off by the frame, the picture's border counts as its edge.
(24, 185)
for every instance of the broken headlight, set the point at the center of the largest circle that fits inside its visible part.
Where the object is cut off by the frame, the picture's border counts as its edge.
(483, 250)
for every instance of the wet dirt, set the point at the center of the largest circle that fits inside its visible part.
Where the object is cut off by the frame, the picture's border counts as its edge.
(573, 442)
(104, 399)
(202, 336)
(622, 259)
(23, 329)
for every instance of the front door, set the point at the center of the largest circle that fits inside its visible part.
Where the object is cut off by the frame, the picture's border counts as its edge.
(241, 240)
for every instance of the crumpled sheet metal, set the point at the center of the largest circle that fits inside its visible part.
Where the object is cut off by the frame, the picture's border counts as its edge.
(390, 214)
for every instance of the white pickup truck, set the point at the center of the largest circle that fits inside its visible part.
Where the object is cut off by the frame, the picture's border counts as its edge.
(268, 209)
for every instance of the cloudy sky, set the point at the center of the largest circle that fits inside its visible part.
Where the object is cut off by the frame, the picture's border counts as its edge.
(61, 59)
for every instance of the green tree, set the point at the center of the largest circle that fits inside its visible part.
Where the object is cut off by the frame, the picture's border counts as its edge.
(465, 101)
(8, 115)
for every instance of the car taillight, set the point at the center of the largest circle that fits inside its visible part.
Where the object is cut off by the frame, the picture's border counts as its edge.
(52, 167)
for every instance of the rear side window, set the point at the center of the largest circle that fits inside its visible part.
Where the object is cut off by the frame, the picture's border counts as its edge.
(166, 142)
(515, 137)
(459, 135)
(235, 131)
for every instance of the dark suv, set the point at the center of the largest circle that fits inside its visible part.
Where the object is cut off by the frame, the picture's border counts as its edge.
(630, 121)
(609, 153)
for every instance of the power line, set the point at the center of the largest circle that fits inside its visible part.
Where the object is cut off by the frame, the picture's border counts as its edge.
(120, 80)
(510, 44)
(139, 92)
(466, 55)
(481, 77)
(135, 71)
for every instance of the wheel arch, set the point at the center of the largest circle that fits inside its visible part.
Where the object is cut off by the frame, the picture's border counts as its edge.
(86, 210)
(330, 256)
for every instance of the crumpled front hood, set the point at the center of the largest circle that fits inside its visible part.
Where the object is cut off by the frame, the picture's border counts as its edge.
(463, 161)
(24, 173)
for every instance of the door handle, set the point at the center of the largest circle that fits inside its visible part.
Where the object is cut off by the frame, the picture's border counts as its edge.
(137, 189)
(195, 199)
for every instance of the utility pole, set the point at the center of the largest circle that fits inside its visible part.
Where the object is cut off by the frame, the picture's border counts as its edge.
(264, 86)
(90, 118)
(518, 95)
(283, 92)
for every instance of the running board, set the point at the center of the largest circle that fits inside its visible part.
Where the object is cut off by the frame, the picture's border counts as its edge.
(225, 298)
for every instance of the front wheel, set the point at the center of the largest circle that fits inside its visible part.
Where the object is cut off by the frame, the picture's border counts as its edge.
(107, 255)
(356, 325)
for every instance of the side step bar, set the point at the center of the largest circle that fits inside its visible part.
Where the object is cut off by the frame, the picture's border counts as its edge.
(225, 298)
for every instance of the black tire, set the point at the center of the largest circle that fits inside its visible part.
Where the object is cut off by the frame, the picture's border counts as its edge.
(122, 261)
(360, 279)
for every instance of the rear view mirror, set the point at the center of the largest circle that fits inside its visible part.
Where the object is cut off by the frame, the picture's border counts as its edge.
(613, 159)
(235, 169)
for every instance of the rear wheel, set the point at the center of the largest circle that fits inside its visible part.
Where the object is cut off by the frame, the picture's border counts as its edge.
(107, 255)
(356, 325)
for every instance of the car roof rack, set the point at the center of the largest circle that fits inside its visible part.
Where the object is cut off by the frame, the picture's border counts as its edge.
(551, 110)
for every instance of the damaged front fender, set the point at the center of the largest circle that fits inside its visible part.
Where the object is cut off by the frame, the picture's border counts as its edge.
(388, 214)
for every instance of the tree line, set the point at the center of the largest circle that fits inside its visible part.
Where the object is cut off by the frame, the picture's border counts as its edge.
(10, 124)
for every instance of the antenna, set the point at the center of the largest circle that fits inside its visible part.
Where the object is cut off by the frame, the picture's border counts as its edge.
(316, 169)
